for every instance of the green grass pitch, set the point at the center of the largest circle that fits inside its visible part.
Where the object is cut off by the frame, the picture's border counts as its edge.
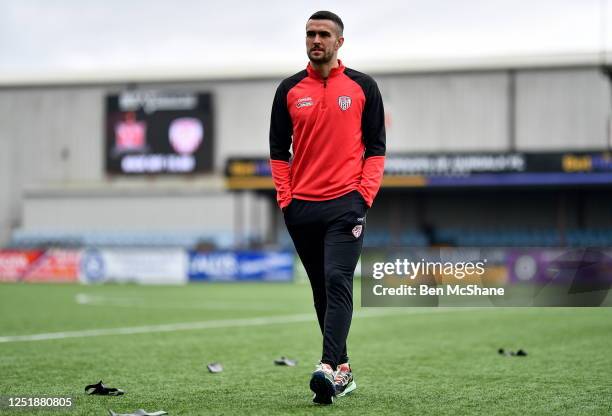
(406, 361)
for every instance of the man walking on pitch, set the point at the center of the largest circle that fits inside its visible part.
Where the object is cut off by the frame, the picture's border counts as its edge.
(333, 117)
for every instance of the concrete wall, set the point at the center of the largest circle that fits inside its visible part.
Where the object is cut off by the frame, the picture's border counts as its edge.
(447, 112)
(7, 201)
(237, 215)
(562, 109)
(134, 211)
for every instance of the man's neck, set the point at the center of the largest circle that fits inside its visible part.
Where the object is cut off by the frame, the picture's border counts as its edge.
(325, 68)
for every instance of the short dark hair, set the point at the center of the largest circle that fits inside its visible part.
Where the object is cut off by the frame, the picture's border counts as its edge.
(326, 15)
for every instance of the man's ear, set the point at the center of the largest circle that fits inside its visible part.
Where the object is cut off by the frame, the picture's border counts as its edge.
(339, 42)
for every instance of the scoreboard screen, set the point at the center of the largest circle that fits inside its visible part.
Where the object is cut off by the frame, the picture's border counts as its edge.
(158, 132)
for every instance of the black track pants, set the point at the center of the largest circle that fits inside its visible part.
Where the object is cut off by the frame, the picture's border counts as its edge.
(328, 237)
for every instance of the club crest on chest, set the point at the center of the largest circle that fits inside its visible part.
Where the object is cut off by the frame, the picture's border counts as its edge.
(344, 102)
(357, 230)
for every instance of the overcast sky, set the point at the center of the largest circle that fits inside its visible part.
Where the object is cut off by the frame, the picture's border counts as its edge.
(68, 36)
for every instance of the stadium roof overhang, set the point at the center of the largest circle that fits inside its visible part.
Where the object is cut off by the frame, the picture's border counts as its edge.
(243, 72)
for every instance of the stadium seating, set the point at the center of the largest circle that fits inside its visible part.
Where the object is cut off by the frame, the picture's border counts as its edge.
(467, 237)
(596, 237)
(495, 237)
(59, 238)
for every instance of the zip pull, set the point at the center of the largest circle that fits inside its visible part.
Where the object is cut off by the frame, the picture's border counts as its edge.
(324, 94)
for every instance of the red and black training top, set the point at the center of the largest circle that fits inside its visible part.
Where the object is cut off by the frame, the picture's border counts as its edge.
(337, 128)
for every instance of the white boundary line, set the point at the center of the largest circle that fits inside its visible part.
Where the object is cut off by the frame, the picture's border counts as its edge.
(221, 323)
(141, 303)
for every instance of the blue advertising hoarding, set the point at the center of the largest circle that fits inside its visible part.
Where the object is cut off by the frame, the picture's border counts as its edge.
(241, 266)
(413, 170)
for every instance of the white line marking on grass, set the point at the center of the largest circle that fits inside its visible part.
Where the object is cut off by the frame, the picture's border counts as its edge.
(221, 323)
(85, 299)
(123, 302)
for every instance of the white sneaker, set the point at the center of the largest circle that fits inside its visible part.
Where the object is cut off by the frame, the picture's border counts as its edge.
(343, 380)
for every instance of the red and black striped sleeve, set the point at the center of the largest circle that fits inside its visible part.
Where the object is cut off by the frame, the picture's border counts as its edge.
(281, 131)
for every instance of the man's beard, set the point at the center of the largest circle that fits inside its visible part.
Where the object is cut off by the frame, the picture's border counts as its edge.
(322, 59)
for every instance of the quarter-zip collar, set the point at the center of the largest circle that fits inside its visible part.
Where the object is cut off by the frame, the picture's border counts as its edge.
(333, 73)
